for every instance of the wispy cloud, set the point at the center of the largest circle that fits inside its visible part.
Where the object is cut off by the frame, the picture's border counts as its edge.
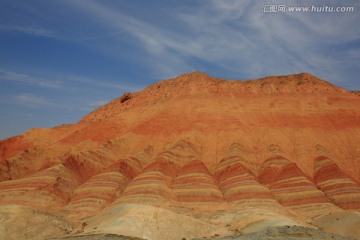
(236, 36)
(165, 48)
(35, 101)
(37, 31)
(63, 88)
(100, 83)
(206, 35)
(24, 78)
(57, 35)
(32, 100)
(239, 35)
(62, 81)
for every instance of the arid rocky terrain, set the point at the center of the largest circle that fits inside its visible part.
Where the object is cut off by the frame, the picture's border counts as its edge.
(192, 157)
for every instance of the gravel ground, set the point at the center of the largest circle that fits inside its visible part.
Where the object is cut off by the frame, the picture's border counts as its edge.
(284, 233)
(271, 233)
(100, 237)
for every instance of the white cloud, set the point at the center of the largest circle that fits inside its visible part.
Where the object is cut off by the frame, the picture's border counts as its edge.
(100, 83)
(64, 83)
(165, 47)
(32, 100)
(37, 31)
(20, 77)
(208, 36)
(238, 34)
(36, 101)
(58, 35)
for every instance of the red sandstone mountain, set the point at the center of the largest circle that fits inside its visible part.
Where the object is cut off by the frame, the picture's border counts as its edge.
(210, 152)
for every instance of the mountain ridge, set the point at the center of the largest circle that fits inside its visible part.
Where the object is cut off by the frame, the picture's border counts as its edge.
(201, 83)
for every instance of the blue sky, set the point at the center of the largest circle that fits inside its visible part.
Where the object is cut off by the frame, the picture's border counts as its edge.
(61, 59)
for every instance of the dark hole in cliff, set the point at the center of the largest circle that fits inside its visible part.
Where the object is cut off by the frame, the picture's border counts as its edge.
(125, 97)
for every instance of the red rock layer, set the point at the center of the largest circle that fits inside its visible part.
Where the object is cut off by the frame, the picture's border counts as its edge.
(150, 187)
(85, 164)
(48, 189)
(271, 168)
(236, 180)
(97, 193)
(292, 188)
(336, 185)
(238, 152)
(153, 185)
(195, 184)
(102, 189)
(24, 163)
(129, 167)
(11, 146)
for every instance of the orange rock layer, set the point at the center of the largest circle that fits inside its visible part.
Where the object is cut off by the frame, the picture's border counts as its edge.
(339, 188)
(288, 142)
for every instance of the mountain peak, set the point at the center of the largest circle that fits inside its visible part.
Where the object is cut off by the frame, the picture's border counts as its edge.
(191, 78)
(199, 82)
(301, 83)
(195, 75)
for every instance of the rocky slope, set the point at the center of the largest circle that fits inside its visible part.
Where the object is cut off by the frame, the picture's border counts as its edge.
(225, 155)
